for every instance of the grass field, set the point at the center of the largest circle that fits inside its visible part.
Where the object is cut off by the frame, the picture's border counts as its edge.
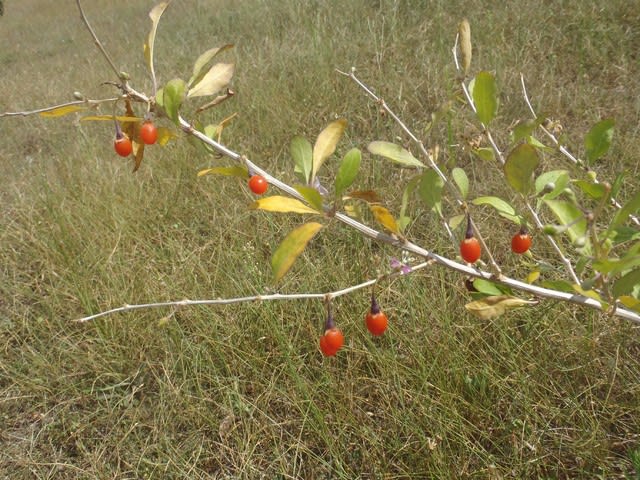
(242, 391)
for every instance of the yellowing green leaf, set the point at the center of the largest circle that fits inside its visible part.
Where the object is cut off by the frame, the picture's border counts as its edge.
(65, 110)
(384, 218)
(394, 153)
(235, 171)
(490, 307)
(485, 97)
(519, 167)
(155, 14)
(214, 80)
(533, 277)
(291, 248)
(311, 195)
(277, 203)
(165, 135)
(203, 60)
(326, 144)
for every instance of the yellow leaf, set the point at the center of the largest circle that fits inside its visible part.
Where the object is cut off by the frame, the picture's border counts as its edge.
(533, 276)
(277, 203)
(490, 307)
(235, 171)
(61, 111)
(630, 302)
(368, 196)
(291, 248)
(326, 143)
(384, 217)
(138, 151)
(215, 80)
(464, 30)
(107, 118)
(202, 60)
(165, 135)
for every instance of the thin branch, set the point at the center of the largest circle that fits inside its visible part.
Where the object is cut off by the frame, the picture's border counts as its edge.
(90, 103)
(417, 250)
(249, 299)
(96, 40)
(576, 161)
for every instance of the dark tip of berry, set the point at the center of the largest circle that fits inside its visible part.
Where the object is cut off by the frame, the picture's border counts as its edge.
(375, 308)
(469, 232)
(329, 323)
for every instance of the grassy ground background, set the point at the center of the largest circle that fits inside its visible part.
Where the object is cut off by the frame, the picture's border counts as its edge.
(242, 392)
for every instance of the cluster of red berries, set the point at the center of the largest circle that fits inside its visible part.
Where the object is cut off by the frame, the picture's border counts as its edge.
(470, 249)
(122, 143)
(332, 340)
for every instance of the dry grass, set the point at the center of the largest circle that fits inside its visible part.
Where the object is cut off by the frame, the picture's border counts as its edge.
(242, 391)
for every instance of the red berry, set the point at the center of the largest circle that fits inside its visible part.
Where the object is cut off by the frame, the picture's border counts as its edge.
(122, 145)
(258, 184)
(376, 323)
(470, 249)
(521, 242)
(148, 133)
(331, 342)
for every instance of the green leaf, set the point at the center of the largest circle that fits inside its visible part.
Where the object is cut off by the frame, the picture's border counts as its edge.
(406, 195)
(613, 266)
(485, 153)
(569, 214)
(489, 288)
(291, 248)
(213, 81)
(485, 97)
(311, 195)
(172, 97)
(519, 167)
(203, 60)
(559, 285)
(394, 153)
(277, 203)
(302, 155)
(594, 190)
(495, 306)
(626, 283)
(326, 144)
(455, 221)
(598, 140)
(348, 171)
(525, 128)
(502, 207)
(629, 208)
(461, 180)
(554, 181)
(155, 14)
(430, 190)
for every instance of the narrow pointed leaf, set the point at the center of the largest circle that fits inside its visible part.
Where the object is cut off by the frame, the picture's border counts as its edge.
(109, 118)
(311, 195)
(627, 283)
(302, 155)
(277, 203)
(326, 143)
(430, 190)
(629, 208)
(348, 171)
(485, 97)
(461, 180)
(598, 140)
(464, 31)
(203, 60)
(394, 153)
(384, 218)
(155, 14)
(557, 179)
(525, 128)
(594, 190)
(291, 248)
(62, 111)
(495, 306)
(172, 98)
(520, 166)
(369, 196)
(499, 204)
(403, 219)
(234, 171)
(214, 80)
(569, 214)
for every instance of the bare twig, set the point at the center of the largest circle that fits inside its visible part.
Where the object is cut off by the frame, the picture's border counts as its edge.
(97, 41)
(89, 103)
